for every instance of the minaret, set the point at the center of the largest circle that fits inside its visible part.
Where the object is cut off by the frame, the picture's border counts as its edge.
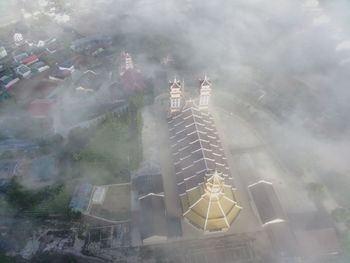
(175, 95)
(128, 63)
(204, 92)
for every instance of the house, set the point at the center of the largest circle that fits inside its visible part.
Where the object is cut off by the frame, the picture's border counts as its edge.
(39, 67)
(18, 58)
(41, 108)
(152, 219)
(3, 52)
(149, 183)
(67, 65)
(267, 205)
(8, 79)
(272, 217)
(30, 60)
(89, 81)
(23, 71)
(60, 75)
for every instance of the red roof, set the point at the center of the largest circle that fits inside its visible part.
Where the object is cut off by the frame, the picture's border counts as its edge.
(29, 60)
(40, 107)
(132, 80)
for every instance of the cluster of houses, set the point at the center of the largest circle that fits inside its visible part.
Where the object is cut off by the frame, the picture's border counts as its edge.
(22, 60)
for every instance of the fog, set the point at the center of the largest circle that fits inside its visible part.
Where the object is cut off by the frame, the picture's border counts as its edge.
(288, 60)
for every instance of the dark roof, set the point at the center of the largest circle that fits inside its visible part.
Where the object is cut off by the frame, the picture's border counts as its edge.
(89, 80)
(196, 147)
(60, 74)
(152, 216)
(132, 80)
(150, 183)
(266, 202)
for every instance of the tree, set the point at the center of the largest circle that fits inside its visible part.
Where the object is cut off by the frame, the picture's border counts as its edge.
(316, 192)
(341, 214)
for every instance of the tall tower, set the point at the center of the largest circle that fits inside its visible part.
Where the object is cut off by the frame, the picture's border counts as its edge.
(127, 63)
(175, 95)
(204, 92)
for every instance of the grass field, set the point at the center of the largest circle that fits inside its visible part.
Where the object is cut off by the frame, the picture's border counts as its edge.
(116, 205)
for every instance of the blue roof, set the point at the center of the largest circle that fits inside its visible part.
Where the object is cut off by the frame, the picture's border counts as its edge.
(14, 144)
(81, 197)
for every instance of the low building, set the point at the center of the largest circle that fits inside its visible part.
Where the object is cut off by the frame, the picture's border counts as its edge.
(152, 219)
(19, 57)
(272, 217)
(39, 67)
(60, 75)
(266, 203)
(23, 71)
(8, 79)
(30, 60)
(67, 65)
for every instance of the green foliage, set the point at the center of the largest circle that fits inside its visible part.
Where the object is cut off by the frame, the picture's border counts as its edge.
(51, 201)
(316, 191)
(341, 214)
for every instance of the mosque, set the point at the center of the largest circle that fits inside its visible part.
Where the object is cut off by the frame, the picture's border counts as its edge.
(204, 182)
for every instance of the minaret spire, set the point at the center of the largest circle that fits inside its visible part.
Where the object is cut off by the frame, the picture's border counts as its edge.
(175, 95)
(204, 92)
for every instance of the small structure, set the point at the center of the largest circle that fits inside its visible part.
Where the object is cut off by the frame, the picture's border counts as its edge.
(212, 205)
(39, 67)
(81, 197)
(23, 71)
(3, 52)
(89, 81)
(268, 207)
(8, 79)
(67, 65)
(19, 57)
(149, 183)
(153, 223)
(29, 60)
(60, 75)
